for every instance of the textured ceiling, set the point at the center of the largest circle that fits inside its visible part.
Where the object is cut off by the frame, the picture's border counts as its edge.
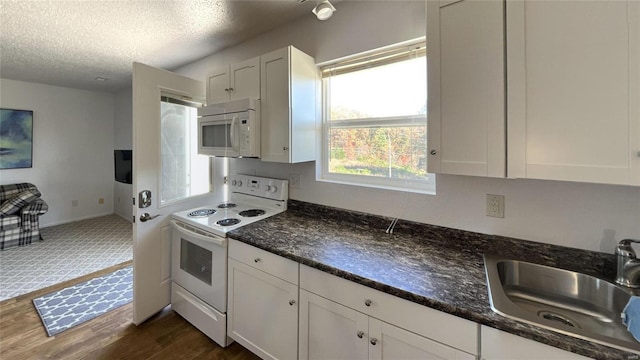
(70, 43)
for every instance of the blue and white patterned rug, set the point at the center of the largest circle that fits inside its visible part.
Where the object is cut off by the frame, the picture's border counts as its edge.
(76, 304)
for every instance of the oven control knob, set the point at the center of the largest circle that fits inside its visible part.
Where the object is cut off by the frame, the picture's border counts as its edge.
(239, 184)
(267, 188)
(273, 188)
(234, 182)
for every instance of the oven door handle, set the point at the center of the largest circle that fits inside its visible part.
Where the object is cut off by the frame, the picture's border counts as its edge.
(211, 239)
(197, 304)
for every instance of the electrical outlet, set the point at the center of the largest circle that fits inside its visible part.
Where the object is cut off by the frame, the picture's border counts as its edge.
(74, 203)
(495, 205)
(101, 201)
(294, 181)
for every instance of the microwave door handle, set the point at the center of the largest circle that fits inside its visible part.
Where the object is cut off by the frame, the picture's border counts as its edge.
(233, 133)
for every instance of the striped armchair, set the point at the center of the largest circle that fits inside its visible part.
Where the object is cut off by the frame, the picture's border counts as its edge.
(20, 209)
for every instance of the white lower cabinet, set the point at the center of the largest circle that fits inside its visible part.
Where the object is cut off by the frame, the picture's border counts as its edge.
(499, 345)
(279, 309)
(340, 319)
(329, 330)
(262, 309)
(393, 342)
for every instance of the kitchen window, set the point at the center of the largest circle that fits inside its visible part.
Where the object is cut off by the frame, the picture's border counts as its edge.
(375, 119)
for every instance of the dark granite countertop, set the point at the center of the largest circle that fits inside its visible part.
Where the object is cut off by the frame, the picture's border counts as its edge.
(434, 266)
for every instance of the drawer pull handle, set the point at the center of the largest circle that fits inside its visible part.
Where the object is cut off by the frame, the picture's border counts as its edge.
(374, 341)
(367, 302)
(257, 260)
(292, 302)
(360, 334)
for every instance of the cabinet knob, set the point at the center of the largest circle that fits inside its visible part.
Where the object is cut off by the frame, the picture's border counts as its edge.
(230, 89)
(292, 302)
(257, 260)
(367, 302)
(433, 152)
(285, 148)
(374, 341)
(360, 334)
(227, 89)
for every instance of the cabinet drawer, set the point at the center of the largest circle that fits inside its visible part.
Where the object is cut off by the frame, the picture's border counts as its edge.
(270, 263)
(451, 330)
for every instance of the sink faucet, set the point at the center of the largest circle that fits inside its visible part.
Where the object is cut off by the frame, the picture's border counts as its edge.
(628, 267)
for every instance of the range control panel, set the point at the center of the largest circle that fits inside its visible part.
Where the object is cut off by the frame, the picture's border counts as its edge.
(275, 189)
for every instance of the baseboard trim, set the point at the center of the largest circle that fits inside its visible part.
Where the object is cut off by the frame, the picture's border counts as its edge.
(42, 226)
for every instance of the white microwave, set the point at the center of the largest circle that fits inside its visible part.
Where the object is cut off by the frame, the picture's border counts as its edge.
(230, 129)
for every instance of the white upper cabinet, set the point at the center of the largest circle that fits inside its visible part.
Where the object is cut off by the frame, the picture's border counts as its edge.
(465, 42)
(573, 75)
(288, 82)
(236, 81)
(572, 89)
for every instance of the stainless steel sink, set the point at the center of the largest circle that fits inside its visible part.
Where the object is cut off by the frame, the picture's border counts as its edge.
(564, 301)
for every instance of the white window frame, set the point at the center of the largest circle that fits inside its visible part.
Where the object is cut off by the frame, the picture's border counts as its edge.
(322, 166)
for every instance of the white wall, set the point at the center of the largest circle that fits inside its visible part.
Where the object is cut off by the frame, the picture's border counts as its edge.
(72, 148)
(587, 216)
(123, 140)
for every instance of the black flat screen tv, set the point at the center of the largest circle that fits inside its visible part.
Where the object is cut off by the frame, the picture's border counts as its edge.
(122, 161)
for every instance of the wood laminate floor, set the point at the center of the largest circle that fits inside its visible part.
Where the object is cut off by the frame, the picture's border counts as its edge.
(110, 336)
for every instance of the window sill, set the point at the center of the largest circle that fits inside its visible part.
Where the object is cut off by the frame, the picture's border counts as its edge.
(418, 188)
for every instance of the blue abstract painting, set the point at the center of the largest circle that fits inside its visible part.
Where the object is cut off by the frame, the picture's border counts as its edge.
(16, 138)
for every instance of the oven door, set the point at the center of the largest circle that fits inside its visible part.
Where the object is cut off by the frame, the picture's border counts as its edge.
(199, 264)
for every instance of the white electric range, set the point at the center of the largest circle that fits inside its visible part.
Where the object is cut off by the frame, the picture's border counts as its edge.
(199, 249)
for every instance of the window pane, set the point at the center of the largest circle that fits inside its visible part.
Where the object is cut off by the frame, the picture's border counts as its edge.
(184, 172)
(392, 152)
(397, 89)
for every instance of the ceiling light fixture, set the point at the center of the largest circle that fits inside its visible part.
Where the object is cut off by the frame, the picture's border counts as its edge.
(323, 10)
(100, 78)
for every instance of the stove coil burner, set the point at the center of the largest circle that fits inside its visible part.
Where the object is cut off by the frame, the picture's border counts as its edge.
(227, 205)
(228, 222)
(252, 213)
(202, 212)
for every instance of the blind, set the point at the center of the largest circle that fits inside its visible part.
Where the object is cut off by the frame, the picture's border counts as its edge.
(179, 100)
(381, 58)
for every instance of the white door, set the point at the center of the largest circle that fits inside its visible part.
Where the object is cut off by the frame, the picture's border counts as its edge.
(391, 342)
(466, 88)
(275, 105)
(218, 85)
(329, 330)
(152, 238)
(245, 79)
(573, 72)
(262, 313)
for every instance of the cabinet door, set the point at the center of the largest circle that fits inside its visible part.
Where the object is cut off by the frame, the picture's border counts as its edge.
(218, 85)
(275, 105)
(498, 344)
(245, 79)
(329, 330)
(466, 79)
(574, 90)
(390, 342)
(262, 312)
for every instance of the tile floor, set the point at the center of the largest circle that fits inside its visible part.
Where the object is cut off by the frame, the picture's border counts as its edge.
(67, 252)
